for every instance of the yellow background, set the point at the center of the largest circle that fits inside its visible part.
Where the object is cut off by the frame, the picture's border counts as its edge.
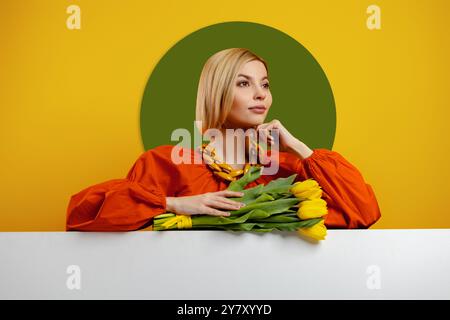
(70, 99)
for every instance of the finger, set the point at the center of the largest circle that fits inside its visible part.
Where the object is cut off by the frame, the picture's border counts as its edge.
(264, 134)
(229, 193)
(224, 205)
(263, 126)
(214, 212)
(270, 124)
(236, 205)
(270, 127)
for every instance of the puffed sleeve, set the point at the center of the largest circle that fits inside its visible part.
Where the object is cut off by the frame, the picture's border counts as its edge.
(350, 200)
(124, 204)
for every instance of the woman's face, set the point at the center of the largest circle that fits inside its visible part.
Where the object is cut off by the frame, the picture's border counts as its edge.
(252, 97)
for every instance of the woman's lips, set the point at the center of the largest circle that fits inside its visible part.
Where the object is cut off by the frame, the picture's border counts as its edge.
(258, 109)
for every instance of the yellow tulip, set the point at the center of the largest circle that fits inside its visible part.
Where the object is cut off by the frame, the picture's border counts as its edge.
(317, 231)
(309, 194)
(307, 190)
(304, 185)
(310, 209)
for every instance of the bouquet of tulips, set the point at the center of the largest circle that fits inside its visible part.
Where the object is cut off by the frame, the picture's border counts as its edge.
(279, 205)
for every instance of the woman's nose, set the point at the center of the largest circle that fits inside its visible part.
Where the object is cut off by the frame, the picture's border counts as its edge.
(260, 94)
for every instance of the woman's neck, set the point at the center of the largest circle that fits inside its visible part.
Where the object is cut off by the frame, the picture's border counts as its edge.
(234, 151)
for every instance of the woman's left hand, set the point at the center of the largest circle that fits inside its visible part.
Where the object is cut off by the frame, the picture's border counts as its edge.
(288, 142)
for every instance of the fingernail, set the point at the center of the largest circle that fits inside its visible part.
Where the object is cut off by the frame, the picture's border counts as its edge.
(242, 204)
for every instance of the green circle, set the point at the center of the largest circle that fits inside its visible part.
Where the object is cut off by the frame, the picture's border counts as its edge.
(302, 97)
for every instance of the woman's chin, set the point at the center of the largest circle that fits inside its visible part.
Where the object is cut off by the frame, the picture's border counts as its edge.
(254, 120)
(256, 123)
(250, 122)
(250, 125)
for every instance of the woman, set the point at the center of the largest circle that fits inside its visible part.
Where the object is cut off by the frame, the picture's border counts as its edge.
(233, 93)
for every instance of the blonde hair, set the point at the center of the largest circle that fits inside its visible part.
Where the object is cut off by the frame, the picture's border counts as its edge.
(215, 92)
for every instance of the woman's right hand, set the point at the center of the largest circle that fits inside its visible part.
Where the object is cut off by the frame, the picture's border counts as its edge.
(206, 203)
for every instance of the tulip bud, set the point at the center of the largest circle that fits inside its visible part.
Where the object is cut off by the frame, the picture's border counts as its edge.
(310, 209)
(317, 231)
(307, 190)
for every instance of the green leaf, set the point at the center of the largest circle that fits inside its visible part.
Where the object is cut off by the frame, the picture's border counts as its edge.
(280, 218)
(281, 195)
(237, 227)
(264, 197)
(249, 194)
(255, 226)
(291, 226)
(283, 190)
(202, 220)
(252, 174)
(258, 214)
(271, 207)
(262, 229)
(279, 184)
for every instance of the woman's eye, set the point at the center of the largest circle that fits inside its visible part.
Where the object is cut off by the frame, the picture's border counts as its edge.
(266, 85)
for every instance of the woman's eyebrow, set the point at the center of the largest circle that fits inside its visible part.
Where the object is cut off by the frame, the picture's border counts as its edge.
(249, 77)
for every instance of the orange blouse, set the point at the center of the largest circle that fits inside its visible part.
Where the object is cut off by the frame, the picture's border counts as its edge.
(131, 203)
